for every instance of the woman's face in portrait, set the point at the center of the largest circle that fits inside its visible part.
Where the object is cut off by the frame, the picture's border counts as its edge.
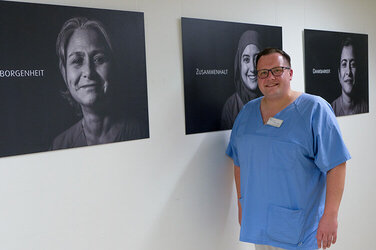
(88, 66)
(347, 70)
(248, 68)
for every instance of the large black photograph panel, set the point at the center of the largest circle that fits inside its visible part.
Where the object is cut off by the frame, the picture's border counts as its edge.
(70, 77)
(336, 68)
(219, 70)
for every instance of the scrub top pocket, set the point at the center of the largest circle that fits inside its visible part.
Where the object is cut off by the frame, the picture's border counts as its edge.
(284, 224)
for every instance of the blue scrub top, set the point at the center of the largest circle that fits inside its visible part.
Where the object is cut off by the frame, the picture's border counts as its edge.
(283, 170)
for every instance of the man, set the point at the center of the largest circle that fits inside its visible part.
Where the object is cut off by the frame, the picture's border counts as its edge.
(290, 163)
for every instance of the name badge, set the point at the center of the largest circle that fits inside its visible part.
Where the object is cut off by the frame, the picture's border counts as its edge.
(274, 122)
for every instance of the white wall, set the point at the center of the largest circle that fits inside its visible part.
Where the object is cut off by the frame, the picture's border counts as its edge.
(174, 191)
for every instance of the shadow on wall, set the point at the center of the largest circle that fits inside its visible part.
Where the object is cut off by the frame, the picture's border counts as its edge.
(196, 213)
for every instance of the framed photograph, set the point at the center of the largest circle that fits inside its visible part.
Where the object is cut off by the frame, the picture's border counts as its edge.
(219, 69)
(70, 77)
(336, 68)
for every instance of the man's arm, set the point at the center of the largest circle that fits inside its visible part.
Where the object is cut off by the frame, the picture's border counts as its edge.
(237, 183)
(327, 230)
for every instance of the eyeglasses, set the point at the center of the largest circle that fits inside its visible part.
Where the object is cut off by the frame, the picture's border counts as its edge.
(264, 73)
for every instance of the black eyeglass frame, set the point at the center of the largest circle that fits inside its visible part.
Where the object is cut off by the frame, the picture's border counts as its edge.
(271, 71)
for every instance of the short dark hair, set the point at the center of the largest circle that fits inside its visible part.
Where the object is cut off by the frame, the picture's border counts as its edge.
(269, 51)
(348, 41)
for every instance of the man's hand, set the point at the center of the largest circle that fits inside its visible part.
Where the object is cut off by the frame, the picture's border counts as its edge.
(327, 231)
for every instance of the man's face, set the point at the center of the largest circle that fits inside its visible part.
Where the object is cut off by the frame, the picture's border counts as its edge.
(88, 67)
(274, 86)
(347, 69)
(248, 66)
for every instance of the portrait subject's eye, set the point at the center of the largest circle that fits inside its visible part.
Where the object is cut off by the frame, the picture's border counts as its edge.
(76, 60)
(100, 59)
(344, 63)
(353, 64)
(246, 59)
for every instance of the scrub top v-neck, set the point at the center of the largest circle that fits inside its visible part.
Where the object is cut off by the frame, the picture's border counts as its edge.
(279, 115)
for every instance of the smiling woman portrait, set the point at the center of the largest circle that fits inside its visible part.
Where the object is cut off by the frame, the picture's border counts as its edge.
(89, 70)
(245, 78)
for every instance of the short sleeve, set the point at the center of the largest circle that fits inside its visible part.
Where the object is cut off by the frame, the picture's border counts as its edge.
(232, 150)
(328, 146)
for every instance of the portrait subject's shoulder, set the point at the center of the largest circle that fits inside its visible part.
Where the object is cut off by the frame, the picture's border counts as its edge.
(72, 137)
(133, 129)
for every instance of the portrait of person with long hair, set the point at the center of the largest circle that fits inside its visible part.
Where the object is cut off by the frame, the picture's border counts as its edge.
(245, 78)
(78, 79)
(89, 71)
(219, 69)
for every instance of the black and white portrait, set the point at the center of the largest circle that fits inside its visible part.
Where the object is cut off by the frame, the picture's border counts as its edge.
(219, 70)
(336, 68)
(70, 77)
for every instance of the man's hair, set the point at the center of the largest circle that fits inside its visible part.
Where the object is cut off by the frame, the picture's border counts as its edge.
(269, 51)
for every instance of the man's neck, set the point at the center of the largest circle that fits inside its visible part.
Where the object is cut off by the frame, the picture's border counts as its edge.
(280, 102)
(271, 106)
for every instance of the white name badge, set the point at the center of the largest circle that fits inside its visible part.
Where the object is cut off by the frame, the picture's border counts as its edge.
(274, 122)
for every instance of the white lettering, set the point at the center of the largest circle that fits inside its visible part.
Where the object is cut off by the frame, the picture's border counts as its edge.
(21, 73)
(320, 71)
(211, 71)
